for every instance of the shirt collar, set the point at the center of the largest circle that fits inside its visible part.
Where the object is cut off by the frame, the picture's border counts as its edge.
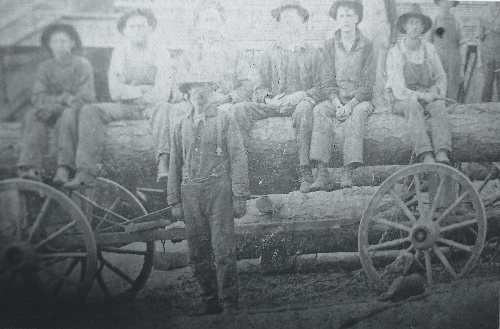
(359, 43)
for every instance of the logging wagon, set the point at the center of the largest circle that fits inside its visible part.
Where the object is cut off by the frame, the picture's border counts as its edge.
(59, 244)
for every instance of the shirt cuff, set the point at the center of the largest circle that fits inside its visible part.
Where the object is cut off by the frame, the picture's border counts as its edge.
(172, 200)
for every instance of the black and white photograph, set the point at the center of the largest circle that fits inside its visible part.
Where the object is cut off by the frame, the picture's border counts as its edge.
(249, 164)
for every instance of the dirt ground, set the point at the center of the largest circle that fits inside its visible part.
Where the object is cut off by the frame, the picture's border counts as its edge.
(314, 300)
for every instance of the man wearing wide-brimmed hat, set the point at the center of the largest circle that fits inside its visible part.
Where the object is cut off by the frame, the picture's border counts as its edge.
(140, 77)
(63, 84)
(209, 161)
(286, 87)
(447, 37)
(418, 82)
(348, 76)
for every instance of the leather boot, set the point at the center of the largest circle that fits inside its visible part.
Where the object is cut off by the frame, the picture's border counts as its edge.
(442, 157)
(29, 173)
(306, 178)
(427, 157)
(346, 177)
(163, 164)
(62, 175)
(322, 179)
(83, 179)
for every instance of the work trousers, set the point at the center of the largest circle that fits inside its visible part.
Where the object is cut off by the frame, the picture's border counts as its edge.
(208, 215)
(323, 136)
(439, 119)
(36, 136)
(302, 115)
(490, 56)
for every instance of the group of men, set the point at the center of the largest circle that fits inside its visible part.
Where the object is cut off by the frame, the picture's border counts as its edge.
(202, 108)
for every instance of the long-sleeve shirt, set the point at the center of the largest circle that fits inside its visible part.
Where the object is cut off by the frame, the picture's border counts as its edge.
(131, 67)
(425, 54)
(348, 74)
(220, 62)
(285, 70)
(74, 77)
(205, 147)
(489, 21)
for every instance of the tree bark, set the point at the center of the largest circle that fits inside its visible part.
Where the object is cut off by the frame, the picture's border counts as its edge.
(272, 153)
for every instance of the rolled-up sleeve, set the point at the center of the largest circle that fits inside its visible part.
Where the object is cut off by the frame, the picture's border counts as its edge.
(164, 78)
(118, 90)
(175, 167)
(438, 73)
(395, 76)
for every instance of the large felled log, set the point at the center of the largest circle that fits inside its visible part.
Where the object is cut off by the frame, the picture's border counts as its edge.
(272, 151)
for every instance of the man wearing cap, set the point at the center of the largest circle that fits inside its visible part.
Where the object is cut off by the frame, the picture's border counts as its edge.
(287, 77)
(208, 180)
(63, 84)
(210, 56)
(347, 81)
(140, 76)
(489, 34)
(417, 81)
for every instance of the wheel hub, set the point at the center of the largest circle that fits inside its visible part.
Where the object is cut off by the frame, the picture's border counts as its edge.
(20, 256)
(424, 236)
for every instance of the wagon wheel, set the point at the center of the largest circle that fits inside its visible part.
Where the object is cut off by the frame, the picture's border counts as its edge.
(47, 249)
(123, 269)
(424, 210)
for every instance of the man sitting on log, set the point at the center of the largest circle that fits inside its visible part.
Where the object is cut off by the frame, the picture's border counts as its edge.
(287, 75)
(347, 81)
(209, 161)
(418, 83)
(140, 80)
(63, 84)
(210, 56)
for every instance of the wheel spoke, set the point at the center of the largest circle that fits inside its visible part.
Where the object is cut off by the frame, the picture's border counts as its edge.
(436, 198)
(454, 244)
(453, 205)
(428, 267)
(395, 225)
(103, 285)
(64, 255)
(113, 206)
(403, 207)
(100, 207)
(445, 262)
(39, 218)
(56, 233)
(60, 283)
(123, 251)
(116, 270)
(458, 225)
(420, 199)
(386, 244)
(58, 276)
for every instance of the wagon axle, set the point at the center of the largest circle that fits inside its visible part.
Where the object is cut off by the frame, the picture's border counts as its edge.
(424, 236)
(20, 257)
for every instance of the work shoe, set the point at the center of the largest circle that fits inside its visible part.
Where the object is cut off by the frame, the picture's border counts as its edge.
(62, 175)
(346, 177)
(306, 179)
(29, 173)
(163, 163)
(322, 180)
(442, 157)
(428, 158)
(82, 180)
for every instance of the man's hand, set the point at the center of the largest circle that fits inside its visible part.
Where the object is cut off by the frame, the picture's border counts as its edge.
(177, 211)
(428, 97)
(66, 98)
(275, 101)
(49, 114)
(294, 99)
(239, 207)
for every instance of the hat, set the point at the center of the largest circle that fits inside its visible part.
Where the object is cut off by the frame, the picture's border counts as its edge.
(211, 4)
(185, 87)
(415, 11)
(66, 28)
(453, 3)
(287, 4)
(146, 13)
(356, 4)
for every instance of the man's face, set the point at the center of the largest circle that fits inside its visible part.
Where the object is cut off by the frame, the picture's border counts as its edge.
(200, 96)
(210, 22)
(347, 18)
(137, 29)
(290, 21)
(414, 27)
(61, 44)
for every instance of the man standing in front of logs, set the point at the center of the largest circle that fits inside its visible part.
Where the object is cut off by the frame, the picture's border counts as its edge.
(209, 174)
(63, 84)
(140, 78)
(347, 82)
(418, 83)
(287, 77)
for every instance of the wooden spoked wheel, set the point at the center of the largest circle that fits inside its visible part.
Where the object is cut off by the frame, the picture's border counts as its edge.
(429, 211)
(123, 268)
(47, 248)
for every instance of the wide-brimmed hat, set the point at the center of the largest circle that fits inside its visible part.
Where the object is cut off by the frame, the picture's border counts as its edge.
(146, 13)
(288, 4)
(185, 87)
(415, 11)
(355, 4)
(60, 27)
(453, 3)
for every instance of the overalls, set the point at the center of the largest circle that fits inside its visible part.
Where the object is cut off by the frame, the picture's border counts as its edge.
(418, 77)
